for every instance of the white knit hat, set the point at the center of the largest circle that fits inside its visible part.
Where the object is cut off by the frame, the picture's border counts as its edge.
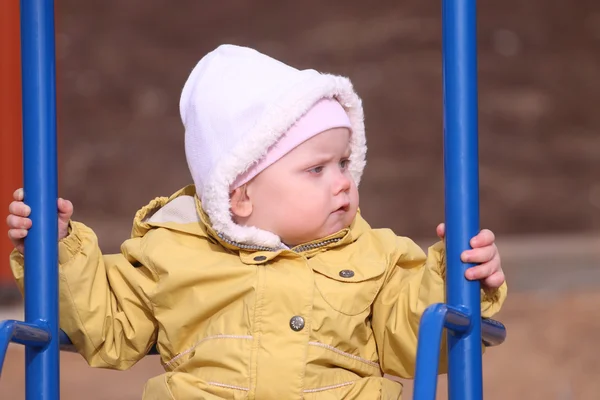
(235, 105)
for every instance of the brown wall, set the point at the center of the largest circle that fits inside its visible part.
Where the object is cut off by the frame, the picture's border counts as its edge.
(121, 66)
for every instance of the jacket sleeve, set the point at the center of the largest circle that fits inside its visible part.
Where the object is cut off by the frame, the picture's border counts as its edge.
(104, 300)
(413, 284)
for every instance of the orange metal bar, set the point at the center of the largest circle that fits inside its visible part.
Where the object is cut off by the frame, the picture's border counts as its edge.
(10, 126)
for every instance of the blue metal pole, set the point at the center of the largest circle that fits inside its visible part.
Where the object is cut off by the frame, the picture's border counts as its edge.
(40, 179)
(459, 30)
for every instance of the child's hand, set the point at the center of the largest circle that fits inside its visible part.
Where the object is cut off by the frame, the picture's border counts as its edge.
(485, 253)
(19, 224)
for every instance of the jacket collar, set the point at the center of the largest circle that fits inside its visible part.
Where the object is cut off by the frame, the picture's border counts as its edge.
(183, 212)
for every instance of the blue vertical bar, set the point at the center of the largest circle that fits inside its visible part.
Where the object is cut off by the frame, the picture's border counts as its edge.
(40, 178)
(459, 32)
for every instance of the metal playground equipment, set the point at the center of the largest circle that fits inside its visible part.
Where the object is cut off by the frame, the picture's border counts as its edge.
(460, 316)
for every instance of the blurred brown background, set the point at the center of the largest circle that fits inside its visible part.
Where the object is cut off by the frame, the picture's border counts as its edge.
(122, 64)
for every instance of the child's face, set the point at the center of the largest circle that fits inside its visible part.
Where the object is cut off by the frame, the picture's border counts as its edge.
(307, 194)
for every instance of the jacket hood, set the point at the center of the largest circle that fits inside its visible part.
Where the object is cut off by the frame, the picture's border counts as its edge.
(235, 105)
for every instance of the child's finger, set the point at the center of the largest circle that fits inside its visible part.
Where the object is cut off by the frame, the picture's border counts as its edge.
(441, 230)
(19, 209)
(18, 194)
(16, 222)
(479, 255)
(495, 280)
(482, 271)
(65, 209)
(17, 234)
(483, 238)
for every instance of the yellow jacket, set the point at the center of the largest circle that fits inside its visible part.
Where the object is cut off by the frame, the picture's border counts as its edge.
(323, 320)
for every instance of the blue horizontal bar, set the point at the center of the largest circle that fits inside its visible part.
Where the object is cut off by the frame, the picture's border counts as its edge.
(493, 333)
(457, 321)
(65, 342)
(33, 335)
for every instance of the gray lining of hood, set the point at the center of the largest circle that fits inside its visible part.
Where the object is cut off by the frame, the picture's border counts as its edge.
(181, 210)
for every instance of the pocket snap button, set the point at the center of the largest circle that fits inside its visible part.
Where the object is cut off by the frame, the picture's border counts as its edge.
(346, 273)
(297, 323)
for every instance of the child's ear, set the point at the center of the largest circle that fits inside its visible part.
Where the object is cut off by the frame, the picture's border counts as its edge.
(240, 203)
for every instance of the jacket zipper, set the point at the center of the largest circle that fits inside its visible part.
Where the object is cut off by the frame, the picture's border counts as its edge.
(297, 249)
(311, 246)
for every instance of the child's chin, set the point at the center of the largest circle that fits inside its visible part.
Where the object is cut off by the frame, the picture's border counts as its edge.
(337, 227)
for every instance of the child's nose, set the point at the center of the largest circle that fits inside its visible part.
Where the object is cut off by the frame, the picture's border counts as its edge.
(342, 182)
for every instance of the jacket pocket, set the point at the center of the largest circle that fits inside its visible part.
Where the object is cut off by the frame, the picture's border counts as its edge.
(347, 287)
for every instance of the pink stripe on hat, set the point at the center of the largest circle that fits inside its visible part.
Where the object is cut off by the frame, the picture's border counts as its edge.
(324, 115)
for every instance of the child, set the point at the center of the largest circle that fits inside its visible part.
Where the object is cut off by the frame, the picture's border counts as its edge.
(261, 280)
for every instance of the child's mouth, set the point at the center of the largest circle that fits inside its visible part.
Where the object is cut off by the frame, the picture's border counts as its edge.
(342, 209)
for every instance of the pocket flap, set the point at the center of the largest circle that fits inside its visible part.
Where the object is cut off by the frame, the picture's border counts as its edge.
(349, 271)
(348, 287)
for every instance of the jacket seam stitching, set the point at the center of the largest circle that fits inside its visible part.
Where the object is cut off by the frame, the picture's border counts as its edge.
(343, 353)
(322, 389)
(192, 347)
(224, 385)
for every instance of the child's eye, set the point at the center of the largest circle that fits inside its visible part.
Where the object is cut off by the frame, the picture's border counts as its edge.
(316, 170)
(344, 163)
